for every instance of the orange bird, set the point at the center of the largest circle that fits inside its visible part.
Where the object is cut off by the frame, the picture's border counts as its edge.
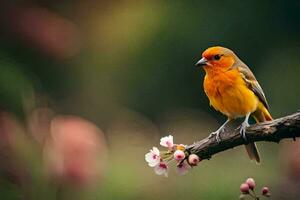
(233, 90)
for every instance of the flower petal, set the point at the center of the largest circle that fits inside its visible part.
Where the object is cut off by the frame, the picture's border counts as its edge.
(183, 168)
(161, 169)
(167, 141)
(153, 158)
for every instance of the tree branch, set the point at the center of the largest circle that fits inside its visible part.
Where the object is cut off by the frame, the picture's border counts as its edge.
(271, 131)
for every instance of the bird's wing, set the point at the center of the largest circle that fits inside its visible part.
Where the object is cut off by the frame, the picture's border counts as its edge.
(252, 83)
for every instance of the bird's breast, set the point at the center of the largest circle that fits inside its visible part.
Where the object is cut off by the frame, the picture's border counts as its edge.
(229, 94)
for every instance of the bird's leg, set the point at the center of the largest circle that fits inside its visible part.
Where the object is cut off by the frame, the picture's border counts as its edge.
(244, 126)
(217, 132)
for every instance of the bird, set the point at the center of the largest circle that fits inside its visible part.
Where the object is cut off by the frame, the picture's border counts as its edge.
(233, 90)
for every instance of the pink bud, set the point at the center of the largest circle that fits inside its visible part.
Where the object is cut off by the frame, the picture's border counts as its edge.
(251, 183)
(265, 191)
(179, 155)
(194, 160)
(244, 188)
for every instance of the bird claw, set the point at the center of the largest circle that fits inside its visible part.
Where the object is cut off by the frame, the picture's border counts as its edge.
(243, 128)
(216, 134)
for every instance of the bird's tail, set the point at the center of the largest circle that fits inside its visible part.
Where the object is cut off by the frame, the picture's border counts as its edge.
(260, 115)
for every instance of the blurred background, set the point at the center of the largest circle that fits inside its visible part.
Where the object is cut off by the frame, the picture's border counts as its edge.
(88, 87)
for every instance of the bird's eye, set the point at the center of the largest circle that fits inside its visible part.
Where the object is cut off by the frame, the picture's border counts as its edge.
(217, 57)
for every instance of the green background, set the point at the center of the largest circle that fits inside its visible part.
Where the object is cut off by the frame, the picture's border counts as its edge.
(133, 75)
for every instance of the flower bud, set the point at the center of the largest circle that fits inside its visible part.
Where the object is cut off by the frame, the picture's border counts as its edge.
(179, 155)
(251, 183)
(193, 160)
(265, 191)
(244, 188)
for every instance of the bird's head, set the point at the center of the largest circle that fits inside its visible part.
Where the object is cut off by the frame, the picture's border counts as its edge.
(217, 58)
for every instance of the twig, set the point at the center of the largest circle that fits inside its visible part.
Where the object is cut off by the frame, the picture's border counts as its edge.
(271, 131)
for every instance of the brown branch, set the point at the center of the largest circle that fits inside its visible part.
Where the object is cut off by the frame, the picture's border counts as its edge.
(271, 131)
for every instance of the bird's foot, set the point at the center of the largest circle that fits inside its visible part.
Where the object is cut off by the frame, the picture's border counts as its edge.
(243, 128)
(216, 134)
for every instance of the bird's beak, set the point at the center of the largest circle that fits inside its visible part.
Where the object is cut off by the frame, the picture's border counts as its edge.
(201, 62)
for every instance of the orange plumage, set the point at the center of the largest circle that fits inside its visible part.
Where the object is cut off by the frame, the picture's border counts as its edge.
(233, 90)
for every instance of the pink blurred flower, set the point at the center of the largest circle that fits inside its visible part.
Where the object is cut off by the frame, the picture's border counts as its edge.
(8, 129)
(183, 168)
(167, 141)
(161, 169)
(11, 160)
(49, 32)
(76, 151)
(153, 157)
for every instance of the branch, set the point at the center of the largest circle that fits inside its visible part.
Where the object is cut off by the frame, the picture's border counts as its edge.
(271, 131)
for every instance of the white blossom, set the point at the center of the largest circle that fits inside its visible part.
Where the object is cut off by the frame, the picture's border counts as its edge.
(153, 157)
(167, 141)
(161, 169)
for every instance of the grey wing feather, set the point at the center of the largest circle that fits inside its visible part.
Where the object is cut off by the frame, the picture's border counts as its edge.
(253, 84)
(251, 81)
